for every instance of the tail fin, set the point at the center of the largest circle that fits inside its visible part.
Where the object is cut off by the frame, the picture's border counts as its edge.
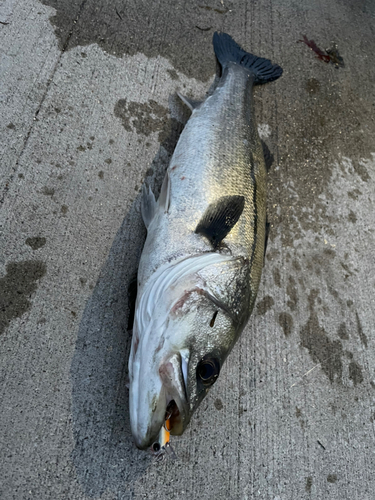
(227, 50)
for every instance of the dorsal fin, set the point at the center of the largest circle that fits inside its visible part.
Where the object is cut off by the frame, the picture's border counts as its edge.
(190, 103)
(220, 217)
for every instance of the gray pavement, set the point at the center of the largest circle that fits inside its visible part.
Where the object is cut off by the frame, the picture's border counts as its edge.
(88, 112)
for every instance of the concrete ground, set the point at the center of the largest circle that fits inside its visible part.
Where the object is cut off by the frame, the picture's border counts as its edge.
(88, 112)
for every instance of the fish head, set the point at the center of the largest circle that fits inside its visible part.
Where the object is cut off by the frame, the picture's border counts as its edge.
(178, 350)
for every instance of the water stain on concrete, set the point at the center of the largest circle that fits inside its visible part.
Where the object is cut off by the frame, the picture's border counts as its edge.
(286, 323)
(346, 269)
(36, 242)
(342, 332)
(277, 277)
(265, 305)
(332, 478)
(354, 194)
(312, 86)
(309, 482)
(48, 191)
(291, 290)
(16, 288)
(361, 171)
(218, 404)
(146, 118)
(268, 156)
(352, 217)
(296, 265)
(355, 373)
(143, 117)
(309, 150)
(130, 28)
(322, 349)
(361, 333)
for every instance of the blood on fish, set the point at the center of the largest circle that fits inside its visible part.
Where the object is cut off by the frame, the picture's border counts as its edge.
(313, 46)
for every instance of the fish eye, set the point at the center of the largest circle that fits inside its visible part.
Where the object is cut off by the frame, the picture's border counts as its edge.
(208, 370)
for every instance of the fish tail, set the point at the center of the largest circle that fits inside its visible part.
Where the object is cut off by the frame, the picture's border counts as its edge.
(227, 50)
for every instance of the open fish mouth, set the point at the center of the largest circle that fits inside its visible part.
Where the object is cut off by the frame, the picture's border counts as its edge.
(173, 374)
(175, 418)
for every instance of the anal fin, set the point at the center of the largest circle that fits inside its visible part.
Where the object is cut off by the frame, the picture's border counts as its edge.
(148, 205)
(165, 193)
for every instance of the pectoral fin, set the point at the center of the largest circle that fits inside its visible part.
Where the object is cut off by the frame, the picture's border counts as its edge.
(220, 217)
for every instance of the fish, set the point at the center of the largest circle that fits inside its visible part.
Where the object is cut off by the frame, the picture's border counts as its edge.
(202, 260)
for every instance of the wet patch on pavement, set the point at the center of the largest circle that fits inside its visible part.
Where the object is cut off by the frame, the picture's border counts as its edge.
(16, 288)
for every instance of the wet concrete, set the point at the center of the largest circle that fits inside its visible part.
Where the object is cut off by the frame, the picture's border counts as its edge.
(89, 112)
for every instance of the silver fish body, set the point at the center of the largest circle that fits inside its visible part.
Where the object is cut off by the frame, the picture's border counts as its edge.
(196, 294)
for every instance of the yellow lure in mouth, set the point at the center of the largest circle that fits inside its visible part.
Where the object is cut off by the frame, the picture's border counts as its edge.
(165, 434)
(161, 446)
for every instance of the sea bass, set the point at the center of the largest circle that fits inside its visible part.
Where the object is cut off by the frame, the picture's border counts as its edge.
(202, 260)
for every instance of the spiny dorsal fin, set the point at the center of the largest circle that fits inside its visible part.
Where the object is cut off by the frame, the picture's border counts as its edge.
(220, 217)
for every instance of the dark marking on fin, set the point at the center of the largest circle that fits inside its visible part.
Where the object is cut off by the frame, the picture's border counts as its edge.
(220, 217)
(268, 228)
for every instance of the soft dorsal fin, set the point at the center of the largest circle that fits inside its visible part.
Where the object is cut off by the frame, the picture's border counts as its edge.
(190, 103)
(220, 217)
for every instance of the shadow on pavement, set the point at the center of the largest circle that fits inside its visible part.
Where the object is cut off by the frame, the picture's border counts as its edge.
(104, 455)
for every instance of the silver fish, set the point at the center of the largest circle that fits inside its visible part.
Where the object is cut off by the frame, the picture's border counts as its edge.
(201, 264)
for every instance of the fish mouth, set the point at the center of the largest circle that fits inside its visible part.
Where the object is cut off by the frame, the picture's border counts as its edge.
(176, 418)
(173, 374)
